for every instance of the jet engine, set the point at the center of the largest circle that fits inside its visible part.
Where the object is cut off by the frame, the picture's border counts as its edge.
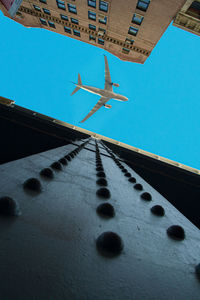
(115, 84)
(107, 105)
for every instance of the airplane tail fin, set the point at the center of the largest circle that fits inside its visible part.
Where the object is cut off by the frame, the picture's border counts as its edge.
(79, 83)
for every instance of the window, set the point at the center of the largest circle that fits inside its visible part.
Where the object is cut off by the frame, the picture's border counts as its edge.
(76, 32)
(101, 31)
(129, 41)
(125, 50)
(92, 3)
(61, 4)
(43, 21)
(37, 7)
(92, 27)
(51, 24)
(63, 17)
(67, 29)
(46, 11)
(92, 15)
(92, 38)
(133, 30)
(143, 4)
(103, 5)
(137, 19)
(43, 1)
(100, 41)
(72, 8)
(103, 20)
(75, 21)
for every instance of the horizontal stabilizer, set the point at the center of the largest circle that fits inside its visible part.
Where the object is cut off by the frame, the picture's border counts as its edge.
(75, 90)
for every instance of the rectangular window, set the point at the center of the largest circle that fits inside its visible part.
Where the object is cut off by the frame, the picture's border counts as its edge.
(101, 31)
(46, 11)
(129, 41)
(63, 17)
(51, 24)
(61, 4)
(100, 41)
(75, 21)
(103, 5)
(43, 1)
(92, 3)
(143, 4)
(137, 19)
(103, 20)
(133, 30)
(92, 27)
(76, 32)
(125, 50)
(37, 7)
(92, 15)
(67, 29)
(92, 38)
(43, 21)
(72, 8)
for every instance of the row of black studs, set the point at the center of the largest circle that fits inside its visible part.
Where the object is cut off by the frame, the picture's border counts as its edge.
(108, 243)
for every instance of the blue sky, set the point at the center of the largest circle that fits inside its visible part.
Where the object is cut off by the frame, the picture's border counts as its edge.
(162, 114)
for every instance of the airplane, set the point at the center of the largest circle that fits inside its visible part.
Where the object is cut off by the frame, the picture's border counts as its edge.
(106, 93)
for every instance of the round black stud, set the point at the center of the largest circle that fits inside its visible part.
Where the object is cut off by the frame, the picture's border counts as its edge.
(99, 169)
(127, 174)
(72, 155)
(47, 172)
(102, 182)
(56, 165)
(138, 187)
(109, 244)
(146, 196)
(124, 170)
(197, 271)
(176, 232)
(63, 161)
(103, 193)
(132, 179)
(101, 174)
(68, 157)
(32, 184)
(106, 210)
(158, 210)
(121, 167)
(9, 207)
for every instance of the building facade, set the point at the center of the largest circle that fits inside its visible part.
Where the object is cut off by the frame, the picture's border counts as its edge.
(188, 17)
(129, 30)
(84, 217)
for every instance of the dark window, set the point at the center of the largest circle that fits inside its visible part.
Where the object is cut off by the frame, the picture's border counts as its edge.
(137, 19)
(43, 21)
(125, 50)
(92, 3)
(92, 15)
(103, 20)
(100, 41)
(63, 17)
(91, 37)
(133, 30)
(129, 41)
(37, 7)
(194, 10)
(51, 24)
(143, 4)
(61, 4)
(75, 21)
(72, 8)
(92, 27)
(76, 32)
(101, 31)
(103, 5)
(43, 1)
(46, 11)
(67, 29)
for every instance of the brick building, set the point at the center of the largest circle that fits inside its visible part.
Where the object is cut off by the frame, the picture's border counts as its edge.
(128, 29)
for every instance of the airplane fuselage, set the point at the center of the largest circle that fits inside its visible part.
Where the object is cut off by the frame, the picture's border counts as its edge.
(102, 92)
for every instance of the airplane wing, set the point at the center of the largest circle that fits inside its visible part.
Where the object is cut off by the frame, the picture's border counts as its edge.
(108, 82)
(99, 104)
